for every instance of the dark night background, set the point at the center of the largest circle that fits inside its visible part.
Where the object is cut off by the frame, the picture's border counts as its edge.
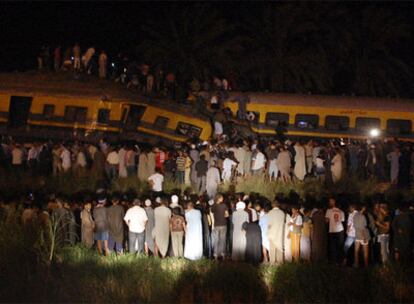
(329, 47)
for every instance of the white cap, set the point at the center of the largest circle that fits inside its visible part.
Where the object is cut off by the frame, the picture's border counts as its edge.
(240, 205)
(174, 199)
(147, 203)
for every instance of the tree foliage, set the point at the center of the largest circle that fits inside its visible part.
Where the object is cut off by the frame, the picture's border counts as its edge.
(329, 48)
(189, 39)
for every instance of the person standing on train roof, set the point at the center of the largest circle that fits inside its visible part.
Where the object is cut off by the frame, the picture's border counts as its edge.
(57, 58)
(103, 62)
(76, 51)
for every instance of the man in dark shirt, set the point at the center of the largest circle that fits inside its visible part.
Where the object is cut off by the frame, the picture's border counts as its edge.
(201, 168)
(220, 214)
(101, 226)
(169, 167)
(115, 215)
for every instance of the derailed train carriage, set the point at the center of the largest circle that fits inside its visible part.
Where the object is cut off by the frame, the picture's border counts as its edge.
(316, 116)
(51, 106)
(70, 110)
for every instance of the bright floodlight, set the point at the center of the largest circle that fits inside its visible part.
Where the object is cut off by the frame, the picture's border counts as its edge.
(374, 132)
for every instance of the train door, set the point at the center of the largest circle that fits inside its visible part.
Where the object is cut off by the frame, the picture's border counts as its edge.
(131, 116)
(19, 111)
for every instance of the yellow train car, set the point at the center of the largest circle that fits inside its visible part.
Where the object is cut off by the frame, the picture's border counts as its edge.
(327, 116)
(77, 111)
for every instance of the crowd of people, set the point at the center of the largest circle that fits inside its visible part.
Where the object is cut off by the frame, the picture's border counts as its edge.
(244, 227)
(204, 165)
(236, 226)
(131, 73)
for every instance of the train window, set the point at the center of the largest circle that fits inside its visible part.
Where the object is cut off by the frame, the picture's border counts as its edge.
(81, 114)
(48, 110)
(188, 130)
(103, 116)
(367, 123)
(277, 119)
(161, 122)
(306, 121)
(75, 114)
(70, 113)
(124, 115)
(399, 126)
(337, 123)
(134, 116)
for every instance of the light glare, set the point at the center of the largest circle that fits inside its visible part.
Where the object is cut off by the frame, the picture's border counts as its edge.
(374, 132)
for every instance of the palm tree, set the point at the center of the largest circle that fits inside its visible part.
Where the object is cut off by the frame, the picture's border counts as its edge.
(188, 39)
(284, 51)
(366, 43)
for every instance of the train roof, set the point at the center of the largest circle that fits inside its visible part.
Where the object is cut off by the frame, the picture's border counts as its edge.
(62, 84)
(66, 84)
(351, 102)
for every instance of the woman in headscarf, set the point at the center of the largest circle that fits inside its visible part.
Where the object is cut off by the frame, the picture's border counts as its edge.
(253, 243)
(239, 217)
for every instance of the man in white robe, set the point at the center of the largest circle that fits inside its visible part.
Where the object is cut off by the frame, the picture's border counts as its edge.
(193, 249)
(212, 180)
(300, 162)
(161, 231)
(275, 233)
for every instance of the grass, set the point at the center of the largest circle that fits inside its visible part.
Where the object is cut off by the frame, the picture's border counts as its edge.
(70, 185)
(78, 274)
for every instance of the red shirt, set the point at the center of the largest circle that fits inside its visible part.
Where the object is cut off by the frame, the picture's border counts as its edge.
(159, 159)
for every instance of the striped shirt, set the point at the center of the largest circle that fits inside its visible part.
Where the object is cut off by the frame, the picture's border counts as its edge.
(180, 163)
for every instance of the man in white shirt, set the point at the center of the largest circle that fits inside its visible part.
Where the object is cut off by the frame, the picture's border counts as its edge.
(335, 218)
(156, 180)
(258, 162)
(228, 165)
(350, 231)
(218, 129)
(112, 161)
(65, 158)
(136, 218)
(32, 156)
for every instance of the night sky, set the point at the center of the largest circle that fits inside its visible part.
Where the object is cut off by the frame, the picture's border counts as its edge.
(114, 26)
